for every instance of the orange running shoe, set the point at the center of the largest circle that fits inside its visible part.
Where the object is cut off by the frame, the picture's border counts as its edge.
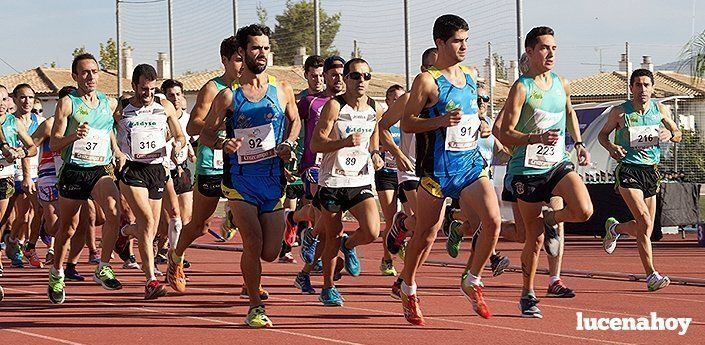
(263, 294)
(175, 275)
(33, 258)
(412, 311)
(474, 294)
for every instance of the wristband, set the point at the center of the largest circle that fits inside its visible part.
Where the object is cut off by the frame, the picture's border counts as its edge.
(579, 143)
(376, 152)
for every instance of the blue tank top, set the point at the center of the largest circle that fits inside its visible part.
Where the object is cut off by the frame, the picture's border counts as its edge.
(261, 124)
(434, 155)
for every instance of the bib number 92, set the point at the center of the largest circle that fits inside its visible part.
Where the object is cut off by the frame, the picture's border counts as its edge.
(255, 143)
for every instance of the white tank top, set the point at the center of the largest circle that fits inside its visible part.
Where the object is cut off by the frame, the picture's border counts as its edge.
(350, 166)
(32, 126)
(407, 145)
(142, 132)
(181, 157)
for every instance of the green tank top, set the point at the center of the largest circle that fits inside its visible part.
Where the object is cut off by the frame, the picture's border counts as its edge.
(542, 110)
(209, 162)
(94, 149)
(639, 136)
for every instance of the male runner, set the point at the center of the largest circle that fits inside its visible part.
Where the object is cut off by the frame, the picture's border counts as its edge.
(636, 148)
(82, 132)
(313, 72)
(262, 125)
(538, 111)
(347, 136)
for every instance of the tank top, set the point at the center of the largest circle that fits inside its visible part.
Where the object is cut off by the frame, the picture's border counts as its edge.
(49, 166)
(640, 135)
(9, 128)
(34, 122)
(94, 149)
(350, 166)
(141, 132)
(183, 155)
(208, 160)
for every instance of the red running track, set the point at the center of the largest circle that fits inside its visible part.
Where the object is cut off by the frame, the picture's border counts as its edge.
(212, 312)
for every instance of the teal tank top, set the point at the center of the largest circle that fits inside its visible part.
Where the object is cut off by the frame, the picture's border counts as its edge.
(206, 161)
(9, 128)
(639, 136)
(95, 149)
(542, 110)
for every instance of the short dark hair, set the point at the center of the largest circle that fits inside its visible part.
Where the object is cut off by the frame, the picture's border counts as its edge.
(20, 87)
(393, 88)
(171, 83)
(428, 52)
(143, 70)
(80, 57)
(447, 25)
(532, 38)
(313, 61)
(641, 72)
(346, 67)
(243, 34)
(66, 90)
(228, 47)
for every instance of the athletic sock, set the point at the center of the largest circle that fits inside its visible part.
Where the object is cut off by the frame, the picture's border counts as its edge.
(176, 258)
(408, 290)
(472, 279)
(555, 278)
(102, 264)
(550, 218)
(57, 273)
(174, 231)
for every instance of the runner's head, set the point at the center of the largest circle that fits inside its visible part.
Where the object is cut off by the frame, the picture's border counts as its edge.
(313, 72)
(428, 58)
(23, 95)
(4, 96)
(357, 76)
(231, 60)
(483, 98)
(174, 92)
(641, 83)
(253, 46)
(85, 71)
(450, 33)
(38, 108)
(144, 82)
(524, 64)
(393, 93)
(66, 90)
(540, 47)
(333, 74)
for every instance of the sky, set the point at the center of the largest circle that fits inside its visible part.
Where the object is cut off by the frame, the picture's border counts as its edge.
(40, 32)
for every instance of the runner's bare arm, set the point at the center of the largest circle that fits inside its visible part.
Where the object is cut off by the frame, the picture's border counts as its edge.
(43, 131)
(204, 99)
(512, 109)
(377, 160)
(321, 141)
(573, 126)
(173, 124)
(215, 118)
(59, 140)
(615, 151)
(30, 149)
(667, 120)
(389, 118)
(292, 112)
(424, 86)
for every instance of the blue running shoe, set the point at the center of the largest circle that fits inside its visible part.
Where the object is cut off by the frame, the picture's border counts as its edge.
(308, 245)
(303, 282)
(330, 297)
(318, 267)
(352, 263)
(527, 305)
(71, 274)
(17, 256)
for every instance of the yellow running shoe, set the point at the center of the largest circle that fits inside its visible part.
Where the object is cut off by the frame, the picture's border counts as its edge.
(256, 318)
(228, 229)
(387, 268)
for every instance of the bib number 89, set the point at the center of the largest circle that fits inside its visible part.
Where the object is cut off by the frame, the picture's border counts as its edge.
(350, 161)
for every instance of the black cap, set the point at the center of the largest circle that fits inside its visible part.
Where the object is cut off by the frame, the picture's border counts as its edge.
(334, 61)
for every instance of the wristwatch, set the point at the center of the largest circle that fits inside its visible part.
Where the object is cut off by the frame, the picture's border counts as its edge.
(579, 143)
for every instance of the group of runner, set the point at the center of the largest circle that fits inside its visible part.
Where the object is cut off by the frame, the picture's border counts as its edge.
(112, 162)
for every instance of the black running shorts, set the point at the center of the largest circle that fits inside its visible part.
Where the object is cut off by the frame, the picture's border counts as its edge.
(209, 185)
(539, 188)
(643, 177)
(150, 176)
(336, 200)
(76, 182)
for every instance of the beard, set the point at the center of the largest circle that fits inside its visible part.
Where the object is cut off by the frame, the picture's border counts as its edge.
(253, 66)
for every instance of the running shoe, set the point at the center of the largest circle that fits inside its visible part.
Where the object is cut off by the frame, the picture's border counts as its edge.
(318, 267)
(352, 263)
(498, 263)
(131, 263)
(412, 311)
(154, 290)
(228, 228)
(43, 235)
(609, 242)
(308, 245)
(529, 308)
(106, 278)
(447, 220)
(474, 294)
(17, 258)
(397, 234)
(396, 289)
(160, 258)
(263, 294)
(330, 297)
(175, 276)
(49, 259)
(56, 292)
(187, 264)
(454, 239)
(256, 318)
(94, 257)
(551, 239)
(303, 282)
(656, 282)
(287, 258)
(122, 243)
(290, 230)
(558, 289)
(72, 275)
(402, 250)
(387, 268)
(157, 272)
(33, 258)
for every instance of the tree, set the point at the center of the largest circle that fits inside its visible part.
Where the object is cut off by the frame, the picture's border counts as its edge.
(261, 14)
(500, 68)
(78, 51)
(294, 29)
(693, 56)
(107, 53)
(691, 160)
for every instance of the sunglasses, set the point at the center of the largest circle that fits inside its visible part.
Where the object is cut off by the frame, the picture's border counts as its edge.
(358, 75)
(37, 111)
(485, 99)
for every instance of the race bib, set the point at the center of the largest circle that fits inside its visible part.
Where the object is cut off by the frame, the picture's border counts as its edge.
(218, 159)
(148, 144)
(390, 161)
(541, 156)
(319, 159)
(181, 155)
(6, 169)
(258, 144)
(351, 161)
(464, 136)
(94, 148)
(643, 136)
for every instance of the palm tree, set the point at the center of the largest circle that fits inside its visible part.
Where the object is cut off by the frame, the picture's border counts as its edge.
(693, 57)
